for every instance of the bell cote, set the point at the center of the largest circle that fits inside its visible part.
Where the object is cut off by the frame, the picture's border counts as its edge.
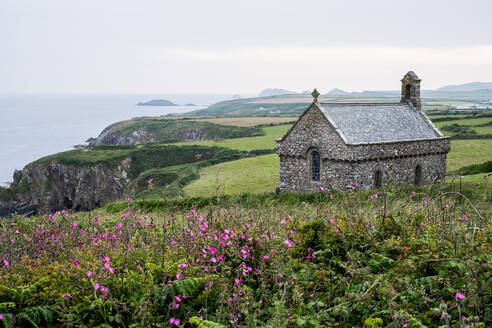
(410, 90)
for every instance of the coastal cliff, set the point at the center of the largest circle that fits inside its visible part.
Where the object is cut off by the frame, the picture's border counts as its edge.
(57, 186)
(85, 179)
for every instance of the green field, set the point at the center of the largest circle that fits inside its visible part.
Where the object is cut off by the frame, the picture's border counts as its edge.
(468, 152)
(247, 144)
(254, 175)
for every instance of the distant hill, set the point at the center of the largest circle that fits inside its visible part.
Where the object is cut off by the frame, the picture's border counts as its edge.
(337, 92)
(275, 92)
(157, 102)
(472, 86)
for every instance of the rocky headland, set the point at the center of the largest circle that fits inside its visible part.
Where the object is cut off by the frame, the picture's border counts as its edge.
(128, 158)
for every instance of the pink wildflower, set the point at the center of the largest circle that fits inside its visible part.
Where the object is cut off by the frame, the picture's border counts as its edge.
(332, 221)
(213, 250)
(182, 265)
(413, 193)
(104, 290)
(460, 297)
(405, 325)
(288, 216)
(1, 317)
(174, 321)
(463, 219)
(312, 295)
(282, 222)
(129, 199)
(74, 224)
(67, 295)
(96, 286)
(287, 243)
(120, 225)
(89, 273)
(446, 205)
(213, 260)
(107, 259)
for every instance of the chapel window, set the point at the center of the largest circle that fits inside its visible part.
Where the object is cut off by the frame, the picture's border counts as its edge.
(418, 175)
(378, 179)
(315, 166)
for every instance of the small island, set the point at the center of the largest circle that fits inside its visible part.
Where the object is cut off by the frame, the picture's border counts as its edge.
(157, 102)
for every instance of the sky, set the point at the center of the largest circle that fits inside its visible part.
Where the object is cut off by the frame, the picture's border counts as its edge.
(233, 46)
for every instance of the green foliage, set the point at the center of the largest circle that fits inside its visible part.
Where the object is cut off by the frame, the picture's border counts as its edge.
(457, 128)
(200, 323)
(449, 116)
(8, 194)
(485, 167)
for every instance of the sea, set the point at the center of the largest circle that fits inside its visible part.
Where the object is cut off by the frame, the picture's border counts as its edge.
(37, 125)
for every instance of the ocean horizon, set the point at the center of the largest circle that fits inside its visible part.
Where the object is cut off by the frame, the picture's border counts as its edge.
(36, 125)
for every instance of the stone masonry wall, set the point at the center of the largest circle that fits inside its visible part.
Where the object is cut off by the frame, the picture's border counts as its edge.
(353, 176)
(312, 131)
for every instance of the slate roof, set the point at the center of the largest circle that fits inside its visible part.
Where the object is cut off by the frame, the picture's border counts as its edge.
(378, 122)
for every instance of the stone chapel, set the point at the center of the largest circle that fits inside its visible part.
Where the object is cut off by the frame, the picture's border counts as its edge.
(358, 146)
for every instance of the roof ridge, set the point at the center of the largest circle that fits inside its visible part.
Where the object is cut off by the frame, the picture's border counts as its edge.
(364, 104)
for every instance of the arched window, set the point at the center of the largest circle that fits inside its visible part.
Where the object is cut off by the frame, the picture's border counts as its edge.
(315, 166)
(407, 92)
(418, 175)
(378, 179)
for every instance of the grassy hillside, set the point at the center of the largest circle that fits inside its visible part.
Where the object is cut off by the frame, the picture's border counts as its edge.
(142, 158)
(165, 130)
(254, 175)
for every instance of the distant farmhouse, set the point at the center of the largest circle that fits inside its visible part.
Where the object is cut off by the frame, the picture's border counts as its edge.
(357, 146)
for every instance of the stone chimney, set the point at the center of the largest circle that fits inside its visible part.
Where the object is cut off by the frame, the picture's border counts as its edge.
(410, 89)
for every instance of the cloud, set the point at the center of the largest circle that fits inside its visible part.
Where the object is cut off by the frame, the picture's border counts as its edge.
(339, 54)
(299, 68)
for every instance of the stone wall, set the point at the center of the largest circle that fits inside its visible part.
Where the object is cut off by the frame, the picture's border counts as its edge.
(295, 172)
(312, 130)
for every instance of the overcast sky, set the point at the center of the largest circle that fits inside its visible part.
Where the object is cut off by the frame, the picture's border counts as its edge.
(231, 46)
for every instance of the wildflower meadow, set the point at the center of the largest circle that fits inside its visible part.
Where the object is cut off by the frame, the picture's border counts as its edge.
(391, 258)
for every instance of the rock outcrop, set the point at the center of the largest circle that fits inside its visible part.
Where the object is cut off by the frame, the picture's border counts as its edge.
(57, 186)
(137, 137)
